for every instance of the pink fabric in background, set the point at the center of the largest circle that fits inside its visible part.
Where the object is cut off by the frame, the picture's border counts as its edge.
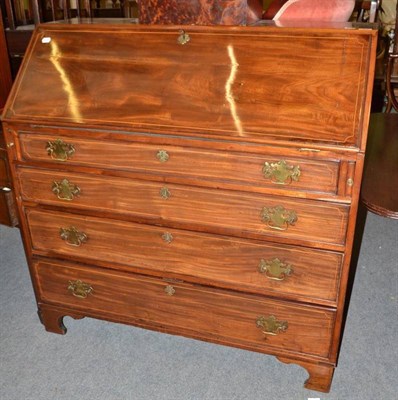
(316, 10)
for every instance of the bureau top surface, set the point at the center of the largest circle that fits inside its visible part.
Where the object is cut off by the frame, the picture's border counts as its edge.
(254, 84)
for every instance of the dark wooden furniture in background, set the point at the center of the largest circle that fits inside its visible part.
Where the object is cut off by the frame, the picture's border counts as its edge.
(272, 7)
(21, 17)
(367, 10)
(392, 70)
(200, 12)
(218, 202)
(7, 207)
(380, 182)
(18, 24)
(5, 74)
(379, 191)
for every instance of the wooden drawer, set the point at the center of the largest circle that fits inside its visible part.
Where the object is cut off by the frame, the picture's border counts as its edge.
(189, 309)
(234, 213)
(308, 275)
(259, 172)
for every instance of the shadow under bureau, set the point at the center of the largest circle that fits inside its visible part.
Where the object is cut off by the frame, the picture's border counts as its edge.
(201, 181)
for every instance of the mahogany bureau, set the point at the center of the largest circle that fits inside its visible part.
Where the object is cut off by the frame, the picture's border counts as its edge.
(201, 181)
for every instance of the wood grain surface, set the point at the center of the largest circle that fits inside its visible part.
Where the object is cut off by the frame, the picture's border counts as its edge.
(211, 312)
(209, 259)
(218, 211)
(250, 83)
(217, 166)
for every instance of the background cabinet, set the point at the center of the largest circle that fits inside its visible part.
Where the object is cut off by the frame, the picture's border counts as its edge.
(7, 211)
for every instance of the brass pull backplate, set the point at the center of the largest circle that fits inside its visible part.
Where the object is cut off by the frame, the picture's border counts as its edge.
(167, 237)
(183, 38)
(162, 156)
(80, 289)
(59, 150)
(270, 325)
(72, 236)
(65, 190)
(164, 193)
(278, 217)
(169, 290)
(281, 173)
(275, 269)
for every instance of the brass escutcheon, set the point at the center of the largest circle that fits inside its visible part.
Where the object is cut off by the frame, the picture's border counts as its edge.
(281, 173)
(275, 269)
(270, 325)
(59, 150)
(167, 237)
(278, 217)
(72, 236)
(169, 290)
(183, 38)
(80, 289)
(65, 190)
(164, 193)
(162, 156)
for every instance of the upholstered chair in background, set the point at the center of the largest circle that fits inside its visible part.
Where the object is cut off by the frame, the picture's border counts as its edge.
(199, 12)
(313, 10)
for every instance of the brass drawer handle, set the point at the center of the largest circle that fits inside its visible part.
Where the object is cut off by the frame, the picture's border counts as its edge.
(164, 193)
(278, 217)
(80, 289)
(275, 269)
(169, 290)
(281, 173)
(65, 190)
(183, 38)
(162, 156)
(270, 325)
(59, 150)
(72, 236)
(167, 237)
